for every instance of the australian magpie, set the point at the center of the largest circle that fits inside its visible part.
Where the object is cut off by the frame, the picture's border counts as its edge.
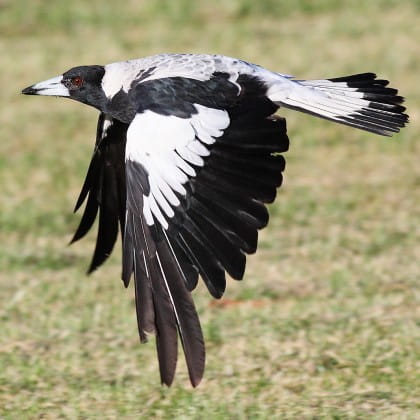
(187, 153)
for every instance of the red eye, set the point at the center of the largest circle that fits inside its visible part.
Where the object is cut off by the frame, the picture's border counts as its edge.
(77, 81)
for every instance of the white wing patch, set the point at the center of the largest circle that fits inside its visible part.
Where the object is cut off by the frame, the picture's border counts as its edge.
(169, 148)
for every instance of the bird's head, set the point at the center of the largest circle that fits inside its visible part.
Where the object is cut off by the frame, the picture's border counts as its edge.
(81, 83)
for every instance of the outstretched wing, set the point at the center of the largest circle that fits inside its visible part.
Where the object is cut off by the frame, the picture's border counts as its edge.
(201, 161)
(104, 188)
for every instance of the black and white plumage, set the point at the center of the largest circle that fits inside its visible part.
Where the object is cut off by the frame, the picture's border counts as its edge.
(187, 153)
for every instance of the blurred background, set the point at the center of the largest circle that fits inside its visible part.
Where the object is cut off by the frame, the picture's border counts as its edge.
(324, 323)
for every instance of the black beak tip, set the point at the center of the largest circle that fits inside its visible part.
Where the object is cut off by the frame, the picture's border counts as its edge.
(29, 91)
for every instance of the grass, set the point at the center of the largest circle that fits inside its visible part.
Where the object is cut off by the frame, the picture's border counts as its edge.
(325, 324)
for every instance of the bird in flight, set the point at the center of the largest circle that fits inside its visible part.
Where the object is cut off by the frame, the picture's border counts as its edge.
(187, 154)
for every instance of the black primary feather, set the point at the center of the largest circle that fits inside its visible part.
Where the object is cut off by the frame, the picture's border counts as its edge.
(214, 245)
(163, 302)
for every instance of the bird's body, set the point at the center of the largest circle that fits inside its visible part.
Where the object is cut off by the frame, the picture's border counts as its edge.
(187, 153)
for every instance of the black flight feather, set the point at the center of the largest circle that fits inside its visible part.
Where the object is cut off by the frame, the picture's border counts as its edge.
(104, 188)
(163, 302)
(187, 319)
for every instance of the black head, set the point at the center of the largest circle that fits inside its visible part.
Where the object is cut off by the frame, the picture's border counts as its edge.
(81, 83)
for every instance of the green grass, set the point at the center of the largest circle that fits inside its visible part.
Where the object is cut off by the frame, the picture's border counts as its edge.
(325, 324)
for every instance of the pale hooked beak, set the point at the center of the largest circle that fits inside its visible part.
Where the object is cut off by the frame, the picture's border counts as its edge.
(50, 87)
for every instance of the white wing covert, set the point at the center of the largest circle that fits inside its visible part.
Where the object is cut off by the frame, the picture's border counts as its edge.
(169, 148)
